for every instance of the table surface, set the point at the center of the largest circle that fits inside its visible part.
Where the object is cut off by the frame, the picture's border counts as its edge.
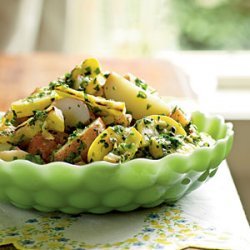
(20, 74)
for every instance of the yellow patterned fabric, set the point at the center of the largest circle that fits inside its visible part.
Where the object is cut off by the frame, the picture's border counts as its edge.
(164, 227)
(194, 221)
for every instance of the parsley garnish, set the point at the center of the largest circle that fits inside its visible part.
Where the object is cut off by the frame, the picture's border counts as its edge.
(87, 71)
(71, 156)
(38, 115)
(142, 95)
(106, 75)
(147, 120)
(97, 88)
(34, 158)
(106, 145)
(141, 84)
(97, 71)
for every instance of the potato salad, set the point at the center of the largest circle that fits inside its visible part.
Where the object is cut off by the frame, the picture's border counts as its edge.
(89, 115)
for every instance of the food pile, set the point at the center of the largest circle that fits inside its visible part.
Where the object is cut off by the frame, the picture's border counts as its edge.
(88, 115)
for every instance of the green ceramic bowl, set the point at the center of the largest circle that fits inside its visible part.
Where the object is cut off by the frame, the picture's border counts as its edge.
(101, 187)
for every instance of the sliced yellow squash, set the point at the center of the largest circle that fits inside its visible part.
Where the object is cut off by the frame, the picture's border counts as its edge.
(88, 77)
(170, 121)
(155, 148)
(26, 107)
(112, 140)
(89, 67)
(148, 126)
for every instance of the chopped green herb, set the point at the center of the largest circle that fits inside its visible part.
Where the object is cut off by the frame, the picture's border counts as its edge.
(97, 88)
(174, 109)
(21, 139)
(118, 129)
(29, 99)
(67, 75)
(129, 145)
(87, 71)
(142, 95)
(53, 85)
(81, 146)
(106, 145)
(173, 129)
(74, 134)
(106, 75)
(141, 84)
(38, 115)
(84, 82)
(96, 110)
(14, 113)
(85, 97)
(80, 125)
(6, 132)
(70, 158)
(149, 106)
(34, 158)
(97, 71)
(7, 122)
(41, 94)
(147, 121)
(104, 135)
(113, 140)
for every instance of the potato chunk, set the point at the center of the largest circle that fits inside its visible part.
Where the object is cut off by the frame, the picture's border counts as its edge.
(110, 111)
(41, 146)
(179, 115)
(138, 101)
(74, 111)
(79, 143)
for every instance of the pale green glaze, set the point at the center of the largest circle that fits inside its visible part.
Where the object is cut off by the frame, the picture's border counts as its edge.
(100, 187)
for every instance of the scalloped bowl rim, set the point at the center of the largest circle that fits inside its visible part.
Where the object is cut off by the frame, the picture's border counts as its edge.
(229, 133)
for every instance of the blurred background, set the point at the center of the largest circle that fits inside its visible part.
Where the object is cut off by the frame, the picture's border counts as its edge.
(124, 27)
(208, 39)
